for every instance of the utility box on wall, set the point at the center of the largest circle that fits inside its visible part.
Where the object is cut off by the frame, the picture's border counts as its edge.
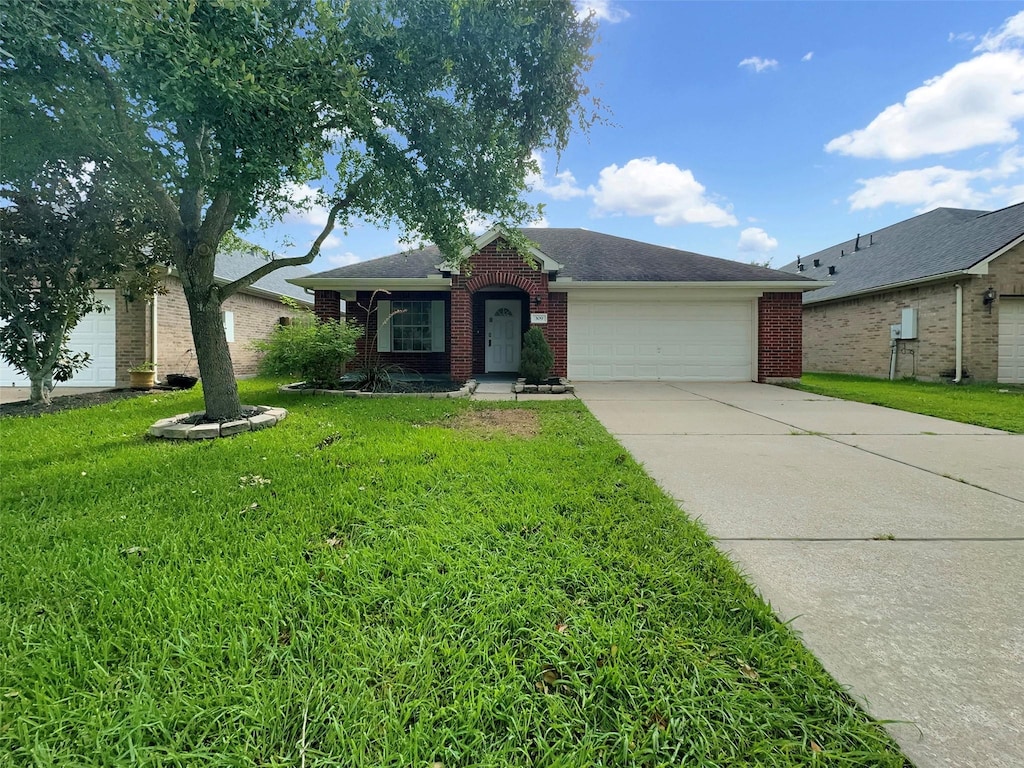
(908, 323)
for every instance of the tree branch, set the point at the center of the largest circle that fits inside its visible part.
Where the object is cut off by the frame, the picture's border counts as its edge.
(120, 108)
(294, 261)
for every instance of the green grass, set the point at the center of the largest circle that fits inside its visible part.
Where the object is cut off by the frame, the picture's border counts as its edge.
(997, 406)
(400, 593)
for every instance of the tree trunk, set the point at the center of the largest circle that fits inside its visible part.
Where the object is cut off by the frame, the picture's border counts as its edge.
(40, 393)
(220, 390)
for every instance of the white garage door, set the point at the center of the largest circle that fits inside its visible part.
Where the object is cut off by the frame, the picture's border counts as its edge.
(1011, 339)
(95, 335)
(676, 341)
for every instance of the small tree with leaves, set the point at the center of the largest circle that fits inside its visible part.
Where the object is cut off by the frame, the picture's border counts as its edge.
(64, 232)
(537, 360)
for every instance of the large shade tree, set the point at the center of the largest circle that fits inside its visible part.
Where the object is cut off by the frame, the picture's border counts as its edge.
(415, 111)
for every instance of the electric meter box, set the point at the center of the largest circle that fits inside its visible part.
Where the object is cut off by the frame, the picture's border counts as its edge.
(908, 323)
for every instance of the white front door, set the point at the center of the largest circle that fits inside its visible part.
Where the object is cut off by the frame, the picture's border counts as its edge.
(504, 320)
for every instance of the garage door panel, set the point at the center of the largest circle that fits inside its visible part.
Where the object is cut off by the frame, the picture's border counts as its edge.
(1011, 340)
(96, 335)
(682, 341)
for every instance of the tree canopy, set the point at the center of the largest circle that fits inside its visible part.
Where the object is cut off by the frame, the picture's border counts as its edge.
(64, 232)
(415, 111)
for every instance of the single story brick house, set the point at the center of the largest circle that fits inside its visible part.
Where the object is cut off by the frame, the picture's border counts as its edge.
(158, 330)
(611, 308)
(948, 284)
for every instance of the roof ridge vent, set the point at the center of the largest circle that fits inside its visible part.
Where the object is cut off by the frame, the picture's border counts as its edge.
(817, 262)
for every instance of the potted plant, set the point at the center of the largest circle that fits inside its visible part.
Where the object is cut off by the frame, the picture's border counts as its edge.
(142, 376)
(182, 380)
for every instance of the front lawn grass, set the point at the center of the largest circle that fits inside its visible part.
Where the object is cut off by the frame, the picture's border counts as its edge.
(997, 406)
(369, 584)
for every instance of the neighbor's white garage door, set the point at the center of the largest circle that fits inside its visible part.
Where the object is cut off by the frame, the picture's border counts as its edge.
(679, 341)
(95, 335)
(1011, 340)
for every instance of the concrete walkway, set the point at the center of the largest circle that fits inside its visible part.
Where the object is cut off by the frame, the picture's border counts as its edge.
(16, 394)
(893, 541)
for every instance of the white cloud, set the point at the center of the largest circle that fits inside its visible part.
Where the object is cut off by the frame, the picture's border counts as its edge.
(756, 240)
(603, 10)
(1011, 34)
(562, 187)
(939, 186)
(757, 64)
(671, 195)
(343, 259)
(807, 56)
(961, 37)
(975, 103)
(541, 223)
(307, 205)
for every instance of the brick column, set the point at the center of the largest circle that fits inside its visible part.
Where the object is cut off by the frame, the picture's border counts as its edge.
(556, 331)
(327, 305)
(779, 337)
(461, 333)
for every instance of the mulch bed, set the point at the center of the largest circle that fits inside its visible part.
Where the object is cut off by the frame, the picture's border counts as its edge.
(71, 402)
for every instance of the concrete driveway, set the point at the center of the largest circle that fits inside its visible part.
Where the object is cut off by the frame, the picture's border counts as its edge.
(893, 541)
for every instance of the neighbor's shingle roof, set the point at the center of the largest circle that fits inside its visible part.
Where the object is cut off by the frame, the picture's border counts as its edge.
(233, 264)
(935, 243)
(585, 256)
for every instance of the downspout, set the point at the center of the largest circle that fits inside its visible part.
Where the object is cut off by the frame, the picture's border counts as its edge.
(153, 330)
(959, 333)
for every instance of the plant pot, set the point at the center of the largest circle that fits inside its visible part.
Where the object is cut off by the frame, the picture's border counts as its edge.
(181, 380)
(142, 379)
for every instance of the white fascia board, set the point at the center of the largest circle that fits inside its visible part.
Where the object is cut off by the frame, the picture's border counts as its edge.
(373, 284)
(547, 263)
(748, 286)
(981, 268)
(892, 286)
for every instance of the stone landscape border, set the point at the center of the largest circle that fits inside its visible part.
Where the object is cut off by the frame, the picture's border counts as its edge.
(562, 388)
(466, 390)
(175, 428)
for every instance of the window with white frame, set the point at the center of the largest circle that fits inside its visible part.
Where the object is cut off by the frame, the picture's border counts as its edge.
(410, 326)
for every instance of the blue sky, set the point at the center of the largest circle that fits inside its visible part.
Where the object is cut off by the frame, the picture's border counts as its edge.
(757, 131)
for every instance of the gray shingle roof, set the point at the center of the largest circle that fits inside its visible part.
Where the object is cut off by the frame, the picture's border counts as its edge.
(585, 256)
(233, 264)
(935, 243)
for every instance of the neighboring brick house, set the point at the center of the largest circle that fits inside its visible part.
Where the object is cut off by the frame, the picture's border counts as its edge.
(125, 335)
(611, 308)
(929, 271)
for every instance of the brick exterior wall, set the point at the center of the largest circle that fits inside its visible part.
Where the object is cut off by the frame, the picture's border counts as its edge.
(495, 266)
(413, 362)
(852, 335)
(327, 305)
(498, 265)
(131, 337)
(255, 318)
(779, 336)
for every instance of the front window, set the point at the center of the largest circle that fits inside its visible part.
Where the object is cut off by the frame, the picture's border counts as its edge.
(410, 326)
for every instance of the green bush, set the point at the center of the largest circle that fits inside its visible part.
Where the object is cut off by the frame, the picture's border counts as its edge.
(313, 351)
(536, 361)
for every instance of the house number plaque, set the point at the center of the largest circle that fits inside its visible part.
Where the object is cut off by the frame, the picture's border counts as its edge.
(538, 318)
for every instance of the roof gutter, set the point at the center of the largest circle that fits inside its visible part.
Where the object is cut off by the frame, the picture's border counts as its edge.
(890, 286)
(371, 284)
(764, 285)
